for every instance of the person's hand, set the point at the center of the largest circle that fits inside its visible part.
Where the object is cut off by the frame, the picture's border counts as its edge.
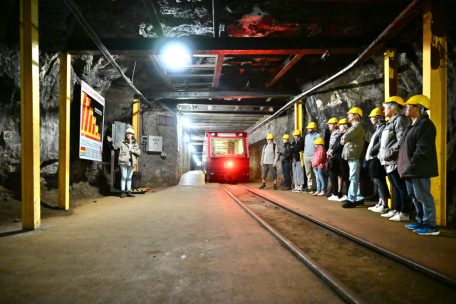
(109, 138)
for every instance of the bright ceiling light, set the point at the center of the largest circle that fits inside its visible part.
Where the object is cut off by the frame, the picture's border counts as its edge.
(175, 56)
(186, 123)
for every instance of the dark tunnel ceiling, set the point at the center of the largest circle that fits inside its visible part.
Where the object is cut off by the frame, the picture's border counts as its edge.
(250, 56)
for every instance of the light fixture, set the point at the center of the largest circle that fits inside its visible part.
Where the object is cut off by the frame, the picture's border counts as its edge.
(175, 56)
(186, 123)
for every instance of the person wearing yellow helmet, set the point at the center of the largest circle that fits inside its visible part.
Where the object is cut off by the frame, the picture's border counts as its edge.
(332, 166)
(353, 141)
(389, 150)
(286, 155)
(269, 158)
(296, 148)
(375, 168)
(319, 166)
(417, 163)
(309, 150)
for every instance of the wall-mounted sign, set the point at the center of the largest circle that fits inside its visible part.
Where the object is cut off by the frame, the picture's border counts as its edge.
(91, 126)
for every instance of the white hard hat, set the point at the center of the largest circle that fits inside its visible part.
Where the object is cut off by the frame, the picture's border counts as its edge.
(130, 130)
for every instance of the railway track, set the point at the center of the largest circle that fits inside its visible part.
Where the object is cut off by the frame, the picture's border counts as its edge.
(358, 271)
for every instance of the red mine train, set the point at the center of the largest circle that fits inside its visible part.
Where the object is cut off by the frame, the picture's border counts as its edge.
(226, 157)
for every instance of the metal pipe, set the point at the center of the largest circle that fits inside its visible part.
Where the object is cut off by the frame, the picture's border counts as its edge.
(401, 20)
(89, 30)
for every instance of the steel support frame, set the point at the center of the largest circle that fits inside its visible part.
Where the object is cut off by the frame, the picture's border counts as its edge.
(64, 131)
(435, 62)
(390, 86)
(30, 115)
(135, 120)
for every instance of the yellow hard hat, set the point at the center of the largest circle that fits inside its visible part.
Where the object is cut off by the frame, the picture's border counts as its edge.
(311, 125)
(422, 100)
(286, 136)
(296, 132)
(395, 99)
(376, 112)
(356, 110)
(387, 118)
(342, 121)
(270, 136)
(319, 141)
(332, 120)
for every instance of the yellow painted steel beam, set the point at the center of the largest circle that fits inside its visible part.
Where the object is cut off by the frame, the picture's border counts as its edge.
(135, 120)
(390, 85)
(298, 120)
(64, 131)
(435, 63)
(30, 115)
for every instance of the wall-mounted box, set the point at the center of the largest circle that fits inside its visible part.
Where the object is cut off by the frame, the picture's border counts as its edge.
(155, 144)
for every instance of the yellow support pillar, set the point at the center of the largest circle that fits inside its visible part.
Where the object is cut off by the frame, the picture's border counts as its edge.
(435, 63)
(390, 84)
(30, 115)
(135, 120)
(64, 131)
(298, 124)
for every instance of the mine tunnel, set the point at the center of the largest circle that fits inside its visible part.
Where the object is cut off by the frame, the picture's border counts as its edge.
(244, 151)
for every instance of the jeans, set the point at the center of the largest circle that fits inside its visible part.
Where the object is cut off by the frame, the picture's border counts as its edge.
(286, 171)
(320, 177)
(298, 175)
(399, 191)
(419, 190)
(126, 173)
(382, 188)
(354, 191)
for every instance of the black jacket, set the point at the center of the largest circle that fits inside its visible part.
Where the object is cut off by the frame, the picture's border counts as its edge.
(417, 153)
(286, 152)
(296, 147)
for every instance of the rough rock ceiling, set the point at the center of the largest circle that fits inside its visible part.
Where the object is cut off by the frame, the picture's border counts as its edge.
(248, 54)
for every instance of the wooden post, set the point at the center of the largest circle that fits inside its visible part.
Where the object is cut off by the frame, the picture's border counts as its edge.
(435, 63)
(64, 131)
(30, 115)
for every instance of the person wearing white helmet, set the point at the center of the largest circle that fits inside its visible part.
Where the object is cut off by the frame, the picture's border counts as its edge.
(269, 158)
(417, 163)
(129, 152)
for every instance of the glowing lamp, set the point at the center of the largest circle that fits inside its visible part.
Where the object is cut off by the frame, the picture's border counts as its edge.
(175, 56)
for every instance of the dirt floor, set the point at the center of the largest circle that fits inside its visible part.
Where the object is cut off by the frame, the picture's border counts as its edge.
(185, 244)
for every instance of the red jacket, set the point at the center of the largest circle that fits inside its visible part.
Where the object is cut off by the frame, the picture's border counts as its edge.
(319, 160)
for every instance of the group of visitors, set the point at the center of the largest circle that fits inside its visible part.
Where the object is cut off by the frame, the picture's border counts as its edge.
(400, 148)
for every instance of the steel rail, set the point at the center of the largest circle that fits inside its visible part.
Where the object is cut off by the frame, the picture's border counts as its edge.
(394, 256)
(343, 291)
(395, 25)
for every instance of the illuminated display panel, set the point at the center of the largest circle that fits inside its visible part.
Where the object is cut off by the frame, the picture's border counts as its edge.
(227, 147)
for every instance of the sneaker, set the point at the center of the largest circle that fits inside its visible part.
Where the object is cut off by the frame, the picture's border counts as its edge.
(372, 208)
(296, 190)
(263, 186)
(413, 226)
(275, 187)
(129, 194)
(381, 209)
(333, 198)
(400, 217)
(123, 194)
(349, 204)
(427, 230)
(343, 198)
(286, 188)
(359, 203)
(389, 214)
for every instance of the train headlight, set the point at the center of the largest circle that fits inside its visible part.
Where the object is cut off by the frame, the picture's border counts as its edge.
(229, 164)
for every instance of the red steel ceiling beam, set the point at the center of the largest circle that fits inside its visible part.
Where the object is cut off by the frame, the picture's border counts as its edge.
(278, 52)
(288, 64)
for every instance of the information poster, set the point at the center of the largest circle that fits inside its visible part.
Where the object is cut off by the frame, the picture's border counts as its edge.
(91, 133)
